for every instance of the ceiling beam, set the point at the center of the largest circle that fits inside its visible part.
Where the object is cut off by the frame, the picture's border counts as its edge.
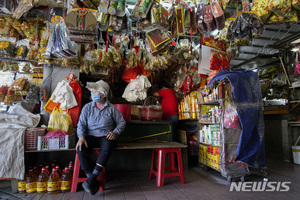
(266, 38)
(258, 57)
(281, 30)
(285, 41)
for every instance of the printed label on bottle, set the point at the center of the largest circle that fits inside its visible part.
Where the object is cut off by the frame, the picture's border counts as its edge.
(52, 186)
(41, 186)
(31, 187)
(65, 185)
(22, 186)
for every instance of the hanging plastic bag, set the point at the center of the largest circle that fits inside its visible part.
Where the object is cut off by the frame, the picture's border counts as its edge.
(60, 120)
(297, 68)
(58, 133)
(261, 7)
(281, 7)
(296, 4)
(200, 18)
(231, 118)
(208, 17)
(218, 14)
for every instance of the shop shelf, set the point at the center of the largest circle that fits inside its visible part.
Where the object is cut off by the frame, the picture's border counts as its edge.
(201, 122)
(210, 103)
(209, 144)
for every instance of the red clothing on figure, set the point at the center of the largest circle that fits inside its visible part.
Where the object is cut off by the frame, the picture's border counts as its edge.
(169, 102)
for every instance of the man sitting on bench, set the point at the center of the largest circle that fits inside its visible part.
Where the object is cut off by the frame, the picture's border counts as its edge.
(99, 123)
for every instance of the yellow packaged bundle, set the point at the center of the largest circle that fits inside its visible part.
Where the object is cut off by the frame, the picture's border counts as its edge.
(275, 19)
(18, 84)
(32, 54)
(281, 7)
(261, 7)
(225, 3)
(41, 57)
(17, 25)
(296, 4)
(44, 35)
(116, 57)
(9, 97)
(72, 62)
(24, 91)
(3, 28)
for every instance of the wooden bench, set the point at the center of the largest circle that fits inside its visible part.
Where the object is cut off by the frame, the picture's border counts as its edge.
(126, 146)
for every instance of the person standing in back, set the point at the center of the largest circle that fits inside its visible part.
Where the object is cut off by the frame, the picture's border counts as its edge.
(169, 103)
(99, 124)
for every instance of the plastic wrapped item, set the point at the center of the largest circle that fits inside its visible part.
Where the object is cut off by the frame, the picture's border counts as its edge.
(179, 11)
(218, 14)
(9, 97)
(76, 3)
(23, 7)
(261, 7)
(44, 35)
(275, 19)
(134, 16)
(281, 7)
(246, 5)
(3, 91)
(7, 46)
(89, 4)
(231, 118)
(296, 4)
(51, 3)
(187, 19)
(12, 67)
(26, 68)
(141, 57)
(18, 84)
(225, 3)
(33, 93)
(131, 59)
(243, 28)
(159, 16)
(193, 26)
(215, 61)
(32, 53)
(22, 47)
(158, 38)
(200, 18)
(208, 18)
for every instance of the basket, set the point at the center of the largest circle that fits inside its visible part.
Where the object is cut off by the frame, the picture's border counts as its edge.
(148, 113)
(31, 135)
(54, 143)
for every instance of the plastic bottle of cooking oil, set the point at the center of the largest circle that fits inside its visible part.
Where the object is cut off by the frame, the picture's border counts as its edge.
(42, 181)
(66, 180)
(31, 182)
(48, 169)
(58, 170)
(53, 182)
(22, 185)
(71, 168)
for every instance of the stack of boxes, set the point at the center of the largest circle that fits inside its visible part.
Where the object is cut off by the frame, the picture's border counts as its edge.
(209, 156)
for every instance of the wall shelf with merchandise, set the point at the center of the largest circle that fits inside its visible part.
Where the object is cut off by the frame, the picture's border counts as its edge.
(209, 127)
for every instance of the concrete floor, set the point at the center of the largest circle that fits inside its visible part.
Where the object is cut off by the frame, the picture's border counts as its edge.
(200, 184)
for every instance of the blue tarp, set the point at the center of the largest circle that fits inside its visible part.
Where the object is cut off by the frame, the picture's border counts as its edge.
(247, 97)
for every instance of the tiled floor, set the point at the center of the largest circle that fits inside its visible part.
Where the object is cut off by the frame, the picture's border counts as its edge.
(200, 184)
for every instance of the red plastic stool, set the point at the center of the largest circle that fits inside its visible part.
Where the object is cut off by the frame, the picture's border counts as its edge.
(101, 177)
(159, 172)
